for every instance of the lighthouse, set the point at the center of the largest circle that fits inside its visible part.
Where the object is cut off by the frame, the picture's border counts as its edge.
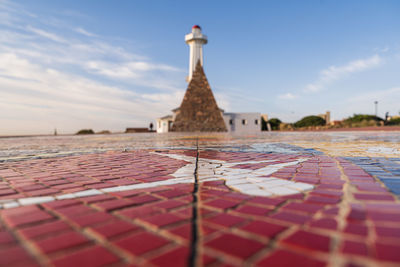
(195, 40)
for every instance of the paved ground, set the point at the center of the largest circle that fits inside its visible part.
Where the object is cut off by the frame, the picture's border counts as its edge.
(281, 199)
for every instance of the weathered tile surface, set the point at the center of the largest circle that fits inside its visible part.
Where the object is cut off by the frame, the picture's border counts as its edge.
(226, 201)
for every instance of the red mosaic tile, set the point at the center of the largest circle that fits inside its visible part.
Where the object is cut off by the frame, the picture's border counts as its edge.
(45, 229)
(290, 217)
(28, 218)
(383, 206)
(285, 258)
(221, 204)
(263, 228)
(173, 193)
(356, 229)
(91, 219)
(185, 230)
(94, 256)
(292, 197)
(174, 258)
(114, 204)
(253, 210)
(304, 207)
(323, 200)
(6, 238)
(384, 216)
(207, 260)
(351, 247)
(267, 201)
(161, 220)
(324, 192)
(61, 203)
(15, 256)
(114, 228)
(5, 192)
(225, 220)
(326, 223)
(137, 212)
(141, 243)
(64, 241)
(304, 239)
(139, 200)
(373, 197)
(94, 199)
(42, 192)
(228, 243)
(385, 231)
(235, 196)
(357, 215)
(170, 204)
(74, 210)
(388, 252)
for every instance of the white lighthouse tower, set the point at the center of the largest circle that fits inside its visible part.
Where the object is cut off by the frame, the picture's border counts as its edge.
(195, 40)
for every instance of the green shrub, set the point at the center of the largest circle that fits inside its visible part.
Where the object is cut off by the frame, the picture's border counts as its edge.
(85, 131)
(394, 122)
(362, 117)
(274, 122)
(362, 120)
(310, 121)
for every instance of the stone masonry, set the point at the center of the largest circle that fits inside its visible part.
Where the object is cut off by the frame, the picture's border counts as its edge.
(199, 111)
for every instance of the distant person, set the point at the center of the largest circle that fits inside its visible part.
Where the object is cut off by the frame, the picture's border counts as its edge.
(151, 126)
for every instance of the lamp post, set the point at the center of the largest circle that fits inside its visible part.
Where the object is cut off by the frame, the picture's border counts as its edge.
(376, 108)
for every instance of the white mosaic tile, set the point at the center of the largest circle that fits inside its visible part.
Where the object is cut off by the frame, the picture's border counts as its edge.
(35, 200)
(247, 181)
(281, 191)
(10, 205)
(86, 193)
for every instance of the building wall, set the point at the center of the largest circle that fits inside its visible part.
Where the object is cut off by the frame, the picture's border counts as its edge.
(163, 125)
(243, 123)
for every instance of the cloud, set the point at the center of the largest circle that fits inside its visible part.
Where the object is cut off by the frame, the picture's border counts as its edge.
(131, 69)
(38, 98)
(46, 34)
(334, 73)
(53, 77)
(287, 96)
(85, 32)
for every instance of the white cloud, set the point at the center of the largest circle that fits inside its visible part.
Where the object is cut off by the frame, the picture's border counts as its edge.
(85, 32)
(71, 84)
(45, 34)
(287, 96)
(334, 73)
(39, 99)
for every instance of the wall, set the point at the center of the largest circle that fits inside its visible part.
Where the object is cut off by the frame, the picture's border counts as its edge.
(237, 125)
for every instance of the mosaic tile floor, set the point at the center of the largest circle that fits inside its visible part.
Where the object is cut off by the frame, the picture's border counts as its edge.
(288, 199)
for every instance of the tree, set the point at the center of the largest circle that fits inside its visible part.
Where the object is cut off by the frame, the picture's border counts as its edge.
(275, 122)
(310, 121)
(85, 131)
(362, 120)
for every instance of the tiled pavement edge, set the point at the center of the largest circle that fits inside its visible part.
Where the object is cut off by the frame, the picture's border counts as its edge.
(348, 218)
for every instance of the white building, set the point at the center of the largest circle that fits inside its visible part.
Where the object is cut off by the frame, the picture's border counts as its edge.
(195, 40)
(240, 123)
(164, 124)
(243, 123)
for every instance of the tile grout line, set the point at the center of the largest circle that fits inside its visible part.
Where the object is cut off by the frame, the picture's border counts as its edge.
(193, 257)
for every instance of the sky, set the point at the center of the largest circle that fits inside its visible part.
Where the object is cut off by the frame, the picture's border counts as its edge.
(108, 65)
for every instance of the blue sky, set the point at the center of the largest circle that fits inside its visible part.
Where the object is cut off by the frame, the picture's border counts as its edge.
(113, 64)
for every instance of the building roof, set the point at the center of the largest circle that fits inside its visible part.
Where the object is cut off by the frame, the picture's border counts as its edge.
(199, 111)
(166, 117)
(196, 27)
